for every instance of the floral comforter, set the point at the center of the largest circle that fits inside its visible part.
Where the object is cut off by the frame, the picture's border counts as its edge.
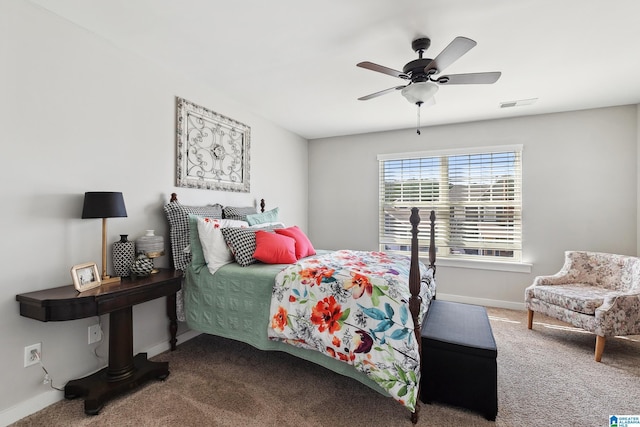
(353, 306)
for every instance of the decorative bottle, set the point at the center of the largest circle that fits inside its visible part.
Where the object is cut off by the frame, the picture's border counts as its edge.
(124, 253)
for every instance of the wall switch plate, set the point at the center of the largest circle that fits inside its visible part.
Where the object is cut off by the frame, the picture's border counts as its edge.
(29, 357)
(95, 333)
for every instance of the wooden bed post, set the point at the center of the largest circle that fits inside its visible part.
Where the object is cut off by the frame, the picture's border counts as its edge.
(432, 242)
(414, 284)
(415, 300)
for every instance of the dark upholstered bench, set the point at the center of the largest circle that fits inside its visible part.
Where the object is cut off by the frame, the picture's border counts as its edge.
(459, 358)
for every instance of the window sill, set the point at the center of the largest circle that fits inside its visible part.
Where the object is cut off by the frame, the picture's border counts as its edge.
(516, 267)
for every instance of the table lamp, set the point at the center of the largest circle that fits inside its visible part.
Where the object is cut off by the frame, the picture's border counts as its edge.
(104, 204)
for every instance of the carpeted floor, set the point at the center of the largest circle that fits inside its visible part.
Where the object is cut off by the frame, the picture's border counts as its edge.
(545, 377)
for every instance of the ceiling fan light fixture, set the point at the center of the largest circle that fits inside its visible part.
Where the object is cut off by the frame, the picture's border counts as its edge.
(419, 92)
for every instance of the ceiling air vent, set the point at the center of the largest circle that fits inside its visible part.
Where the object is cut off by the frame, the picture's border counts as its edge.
(519, 103)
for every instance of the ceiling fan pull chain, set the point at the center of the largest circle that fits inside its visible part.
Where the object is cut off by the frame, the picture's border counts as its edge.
(418, 126)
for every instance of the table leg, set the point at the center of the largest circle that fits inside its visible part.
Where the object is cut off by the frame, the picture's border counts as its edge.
(124, 371)
(173, 320)
(120, 344)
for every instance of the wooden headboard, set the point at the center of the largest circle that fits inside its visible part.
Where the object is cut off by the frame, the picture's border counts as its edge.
(174, 198)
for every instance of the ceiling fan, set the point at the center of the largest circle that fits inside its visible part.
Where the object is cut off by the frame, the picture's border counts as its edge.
(421, 73)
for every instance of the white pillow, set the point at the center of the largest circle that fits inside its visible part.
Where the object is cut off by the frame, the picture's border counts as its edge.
(214, 248)
(276, 224)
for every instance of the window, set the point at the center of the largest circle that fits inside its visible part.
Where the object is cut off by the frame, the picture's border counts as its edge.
(476, 195)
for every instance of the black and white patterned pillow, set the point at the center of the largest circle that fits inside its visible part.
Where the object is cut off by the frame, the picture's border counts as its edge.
(178, 217)
(242, 242)
(240, 214)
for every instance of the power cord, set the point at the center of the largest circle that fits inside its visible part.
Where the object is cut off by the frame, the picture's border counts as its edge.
(47, 377)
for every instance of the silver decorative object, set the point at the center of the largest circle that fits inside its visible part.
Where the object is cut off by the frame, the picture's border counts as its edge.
(152, 246)
(212, 150)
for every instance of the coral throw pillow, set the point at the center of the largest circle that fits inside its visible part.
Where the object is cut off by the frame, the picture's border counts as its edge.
(304, 248)
(274, 248)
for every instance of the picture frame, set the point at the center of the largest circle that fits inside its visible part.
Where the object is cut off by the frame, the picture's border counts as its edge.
(212, 150)
(85, 276)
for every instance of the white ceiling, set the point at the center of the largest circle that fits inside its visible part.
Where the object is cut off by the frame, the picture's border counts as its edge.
(294, 61)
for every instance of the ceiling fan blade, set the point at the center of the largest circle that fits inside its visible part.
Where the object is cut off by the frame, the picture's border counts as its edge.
(469, 78)
(382, 69)
(458, 47)
(382, 92)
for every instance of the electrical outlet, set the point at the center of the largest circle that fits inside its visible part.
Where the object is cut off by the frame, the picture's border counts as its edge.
(29, 354)
(95, 333)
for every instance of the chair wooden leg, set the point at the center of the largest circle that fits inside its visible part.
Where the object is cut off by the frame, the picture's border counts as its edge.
(530, 319)
(600, 341)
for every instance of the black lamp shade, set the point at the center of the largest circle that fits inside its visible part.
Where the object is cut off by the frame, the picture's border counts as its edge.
(103, 204)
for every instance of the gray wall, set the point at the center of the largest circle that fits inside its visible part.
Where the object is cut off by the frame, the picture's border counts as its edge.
(579, 191)
(78, 114)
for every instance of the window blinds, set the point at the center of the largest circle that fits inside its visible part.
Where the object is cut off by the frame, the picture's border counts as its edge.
(477, 196)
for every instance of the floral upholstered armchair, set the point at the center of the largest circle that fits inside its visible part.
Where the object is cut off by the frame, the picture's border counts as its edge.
(597, 292)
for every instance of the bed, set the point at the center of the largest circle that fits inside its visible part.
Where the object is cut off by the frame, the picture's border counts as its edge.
(243, 301)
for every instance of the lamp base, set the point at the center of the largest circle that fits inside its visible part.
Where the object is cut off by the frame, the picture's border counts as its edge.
(108, 279)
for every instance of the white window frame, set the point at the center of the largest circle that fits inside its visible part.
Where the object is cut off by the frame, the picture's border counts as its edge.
(394, 238)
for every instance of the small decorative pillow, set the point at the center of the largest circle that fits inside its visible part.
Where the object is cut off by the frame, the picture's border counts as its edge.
(274, 248)
(240, 214)
(242, 243)
(263, 217)
(304, 248)
(214, 247)
(178, 218)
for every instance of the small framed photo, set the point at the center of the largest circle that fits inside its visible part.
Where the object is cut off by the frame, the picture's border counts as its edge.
(85, 276)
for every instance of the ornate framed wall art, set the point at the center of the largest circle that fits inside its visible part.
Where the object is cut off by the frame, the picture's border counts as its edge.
(212, 150)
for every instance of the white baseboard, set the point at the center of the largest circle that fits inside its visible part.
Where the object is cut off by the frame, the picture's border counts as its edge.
(41, 401)
(481, 301)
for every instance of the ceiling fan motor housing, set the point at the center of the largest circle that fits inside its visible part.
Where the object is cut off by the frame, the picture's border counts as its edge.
(415, 69)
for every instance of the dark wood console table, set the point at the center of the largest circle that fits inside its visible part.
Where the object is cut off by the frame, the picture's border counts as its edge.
(124, 371)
